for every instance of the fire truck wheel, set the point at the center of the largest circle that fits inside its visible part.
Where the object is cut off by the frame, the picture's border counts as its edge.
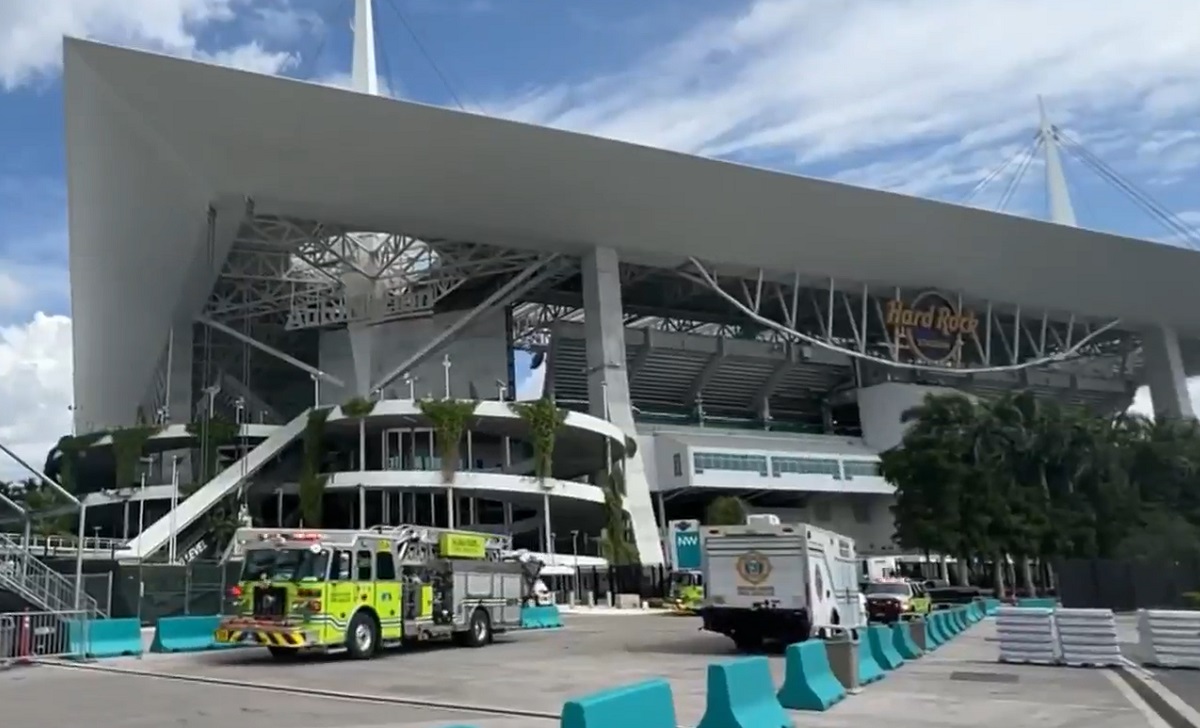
(480, 632)
(362, 637)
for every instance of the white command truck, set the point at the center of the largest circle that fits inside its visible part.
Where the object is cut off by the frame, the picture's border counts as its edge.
(766, 581)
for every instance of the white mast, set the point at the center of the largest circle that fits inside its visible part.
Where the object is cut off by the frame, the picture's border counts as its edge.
(1061, 210)
(363, 73)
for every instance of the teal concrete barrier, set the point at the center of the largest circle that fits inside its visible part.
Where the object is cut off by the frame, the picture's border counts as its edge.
(534, 617)
(741, 694)
(1037, 602)
(990, 605)
(959, 618)
(808, 680)
(187, 634)
(646, 704)
(879, 639)
(964, 619)
(933, 635)
(903, 643)
(106, 637)
(869, 669)
(941, 625)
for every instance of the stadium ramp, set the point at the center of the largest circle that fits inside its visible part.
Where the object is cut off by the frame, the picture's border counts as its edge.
(158, 534)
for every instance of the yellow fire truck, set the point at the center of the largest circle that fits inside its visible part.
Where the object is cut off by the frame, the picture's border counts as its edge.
(361, 591)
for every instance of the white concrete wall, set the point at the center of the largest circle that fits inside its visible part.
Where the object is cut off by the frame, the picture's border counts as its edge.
(881, 406)
(478, 355)
(866, 519)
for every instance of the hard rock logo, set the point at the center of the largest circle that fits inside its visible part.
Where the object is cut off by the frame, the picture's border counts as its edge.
(931, 326)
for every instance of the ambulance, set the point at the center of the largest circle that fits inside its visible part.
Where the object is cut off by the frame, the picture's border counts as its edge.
(360, 592)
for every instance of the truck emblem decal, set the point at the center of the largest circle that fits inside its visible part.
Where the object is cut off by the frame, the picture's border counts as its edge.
(754, 567)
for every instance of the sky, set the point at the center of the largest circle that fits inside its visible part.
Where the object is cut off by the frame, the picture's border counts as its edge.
(924, 97)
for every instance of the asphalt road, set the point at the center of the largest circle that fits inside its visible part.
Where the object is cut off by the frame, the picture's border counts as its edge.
(961, 684)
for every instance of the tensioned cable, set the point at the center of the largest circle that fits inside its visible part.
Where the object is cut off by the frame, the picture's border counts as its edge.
(437, 69)
(1157, 211)
(983, 183)
(711, 283)
(1015, 182)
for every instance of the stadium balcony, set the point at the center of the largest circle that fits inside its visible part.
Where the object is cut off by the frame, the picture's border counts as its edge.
(680, 378)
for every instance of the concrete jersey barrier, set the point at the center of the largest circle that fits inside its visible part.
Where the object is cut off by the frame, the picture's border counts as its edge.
(100, 638)
(902, 640)
(809, 683)
(879, 638)
(649, 704)
(187, 634)
(741, 694)
(544, 617)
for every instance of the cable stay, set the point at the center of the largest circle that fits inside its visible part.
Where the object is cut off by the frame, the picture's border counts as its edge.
(1169, 220)
(1029, 147)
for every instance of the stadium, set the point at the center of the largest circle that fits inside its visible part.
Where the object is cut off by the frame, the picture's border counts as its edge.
(246, 248)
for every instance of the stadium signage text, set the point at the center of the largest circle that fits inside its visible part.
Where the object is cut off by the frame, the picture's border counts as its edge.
(931, 326)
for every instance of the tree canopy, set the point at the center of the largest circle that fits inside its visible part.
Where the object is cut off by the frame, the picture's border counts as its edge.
(1030, 479)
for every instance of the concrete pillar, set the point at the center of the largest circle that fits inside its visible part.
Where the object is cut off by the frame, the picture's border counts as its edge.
(604, 328)
(1165, 374)
(180, 398)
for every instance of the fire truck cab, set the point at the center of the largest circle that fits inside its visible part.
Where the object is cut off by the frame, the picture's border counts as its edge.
(361, 591)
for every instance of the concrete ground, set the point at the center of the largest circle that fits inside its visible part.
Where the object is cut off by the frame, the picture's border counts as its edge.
(961, 684)
(1185, 684)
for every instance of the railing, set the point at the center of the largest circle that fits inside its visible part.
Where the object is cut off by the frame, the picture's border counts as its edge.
(33, 635)
(32, 579)
(62, 545)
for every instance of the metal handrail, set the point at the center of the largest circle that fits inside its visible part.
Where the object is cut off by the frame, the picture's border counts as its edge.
(22, 572)
(62, 544)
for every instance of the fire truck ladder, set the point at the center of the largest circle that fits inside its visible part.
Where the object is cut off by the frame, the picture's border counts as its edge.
(421, 543)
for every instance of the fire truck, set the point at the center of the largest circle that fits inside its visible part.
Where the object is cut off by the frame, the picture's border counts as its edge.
(364, 591)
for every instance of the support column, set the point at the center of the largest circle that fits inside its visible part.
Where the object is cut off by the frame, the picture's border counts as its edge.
(604, 327)
(1165, 374)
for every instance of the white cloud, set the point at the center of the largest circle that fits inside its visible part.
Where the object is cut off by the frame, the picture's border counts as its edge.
(532, 386)
(819, 82)
(31, 33)
(35, 389)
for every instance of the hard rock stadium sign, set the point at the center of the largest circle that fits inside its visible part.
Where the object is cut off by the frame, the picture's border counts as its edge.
(931, 327)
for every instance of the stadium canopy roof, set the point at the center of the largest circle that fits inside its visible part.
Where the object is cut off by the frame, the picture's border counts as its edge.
(152, 141)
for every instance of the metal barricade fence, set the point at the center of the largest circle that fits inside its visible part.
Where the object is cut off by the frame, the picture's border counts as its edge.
(26, 636)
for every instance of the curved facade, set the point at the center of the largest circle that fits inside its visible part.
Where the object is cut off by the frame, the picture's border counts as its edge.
(387, 468)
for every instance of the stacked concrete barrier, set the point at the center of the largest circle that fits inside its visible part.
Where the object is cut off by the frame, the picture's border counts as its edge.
(741, 694)
(1087, 637)
(544, 617)
(1027, 635)
(99, 638)
(1169, 638)
(809, 682)
(902, 640)
(187, 634)
(650, 701)
(879, 640)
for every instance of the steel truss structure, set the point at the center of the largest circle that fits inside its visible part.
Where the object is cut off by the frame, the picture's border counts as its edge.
(793, 377)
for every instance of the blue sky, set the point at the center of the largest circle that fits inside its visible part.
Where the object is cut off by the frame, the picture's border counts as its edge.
(919, 96)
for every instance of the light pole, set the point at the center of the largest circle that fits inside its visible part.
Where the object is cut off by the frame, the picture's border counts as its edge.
(172, 551)
(411, 381)
(446, 366)
(575, 558)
